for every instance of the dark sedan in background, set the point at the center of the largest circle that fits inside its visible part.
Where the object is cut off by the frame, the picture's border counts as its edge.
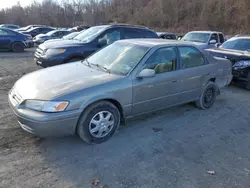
(12, 40)
(10, 26)
(29, 27)
(237, 50)
(54, 34)
(164, 35)
(37, 30)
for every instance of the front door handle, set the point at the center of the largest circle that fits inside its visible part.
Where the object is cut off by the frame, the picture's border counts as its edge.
(174, 81)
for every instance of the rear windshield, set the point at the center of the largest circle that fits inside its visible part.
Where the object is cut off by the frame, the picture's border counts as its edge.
(196, 37)
(237, 44)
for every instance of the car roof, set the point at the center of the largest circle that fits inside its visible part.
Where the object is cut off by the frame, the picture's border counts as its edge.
(241, 37)
(127, 26)
(165, 33)
(205, 32)
(157, 42)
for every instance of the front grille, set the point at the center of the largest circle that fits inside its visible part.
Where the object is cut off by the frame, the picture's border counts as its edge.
(15, 98)
(39, 52)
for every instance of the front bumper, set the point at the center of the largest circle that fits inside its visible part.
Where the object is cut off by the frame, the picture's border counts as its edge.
(44, 61)
(242, 74)
(46, 124)
(29, 43)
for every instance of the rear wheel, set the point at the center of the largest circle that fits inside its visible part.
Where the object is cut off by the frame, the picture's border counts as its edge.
(17, 47)
(208, 96)
(99, 122)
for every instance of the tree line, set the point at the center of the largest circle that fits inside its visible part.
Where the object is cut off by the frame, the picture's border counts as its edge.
(229, 16)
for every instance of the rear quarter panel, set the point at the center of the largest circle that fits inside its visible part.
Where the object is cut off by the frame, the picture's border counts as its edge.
(223, 70)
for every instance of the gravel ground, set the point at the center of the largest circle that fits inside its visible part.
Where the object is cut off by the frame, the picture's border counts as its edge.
(173, 148)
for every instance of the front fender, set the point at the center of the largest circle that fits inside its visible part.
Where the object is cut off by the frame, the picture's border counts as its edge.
(94, 99)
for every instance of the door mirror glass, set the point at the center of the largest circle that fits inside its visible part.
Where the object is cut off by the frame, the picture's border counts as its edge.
(212, 41)
(146, 73)
(102, 42)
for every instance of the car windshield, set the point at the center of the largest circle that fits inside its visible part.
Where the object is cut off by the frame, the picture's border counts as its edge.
(89, 34)
(118, 58)
(31, 29)
(196, 37)
(71, 35)
(51, 32)
(237, 44)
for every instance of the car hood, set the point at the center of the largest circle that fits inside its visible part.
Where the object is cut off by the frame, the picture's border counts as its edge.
(49, 83)
(61, 44)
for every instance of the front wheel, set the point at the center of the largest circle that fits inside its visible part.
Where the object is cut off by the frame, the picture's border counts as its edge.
(208, 96)
(99, 122)
(17, 47)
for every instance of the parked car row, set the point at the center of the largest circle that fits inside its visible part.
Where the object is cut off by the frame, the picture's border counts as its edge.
(121, 71)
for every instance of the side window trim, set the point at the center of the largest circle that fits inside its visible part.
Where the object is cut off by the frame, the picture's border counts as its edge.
(180, 59)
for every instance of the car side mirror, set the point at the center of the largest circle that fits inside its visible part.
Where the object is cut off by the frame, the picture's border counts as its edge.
(212, 41)
(217, 45)
(146, 73)
(102, 42)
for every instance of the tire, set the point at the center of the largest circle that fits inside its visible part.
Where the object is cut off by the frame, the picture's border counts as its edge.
(208, 96)
(92, 128)
(17, 47)
(247, 86)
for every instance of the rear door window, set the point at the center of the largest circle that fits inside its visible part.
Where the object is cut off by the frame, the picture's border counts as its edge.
(137, 33)
(191, 57)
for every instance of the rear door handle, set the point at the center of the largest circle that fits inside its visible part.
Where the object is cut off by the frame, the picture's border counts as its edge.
(174, 81)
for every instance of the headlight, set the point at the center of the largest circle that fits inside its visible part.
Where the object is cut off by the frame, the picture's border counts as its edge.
(55, 51)
(46, 106)
(241, 64)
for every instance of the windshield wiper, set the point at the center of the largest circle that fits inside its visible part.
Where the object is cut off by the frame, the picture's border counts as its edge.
(85, 60)
(101, 67)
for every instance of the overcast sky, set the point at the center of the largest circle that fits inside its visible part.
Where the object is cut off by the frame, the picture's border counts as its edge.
(9, 3)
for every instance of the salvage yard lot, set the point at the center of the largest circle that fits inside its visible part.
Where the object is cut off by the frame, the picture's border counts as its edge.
(170, 148)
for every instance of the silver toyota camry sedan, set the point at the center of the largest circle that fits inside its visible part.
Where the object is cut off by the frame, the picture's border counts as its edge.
(91, 98)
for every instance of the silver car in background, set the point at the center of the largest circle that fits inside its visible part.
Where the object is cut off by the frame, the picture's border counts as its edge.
(123, 80)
